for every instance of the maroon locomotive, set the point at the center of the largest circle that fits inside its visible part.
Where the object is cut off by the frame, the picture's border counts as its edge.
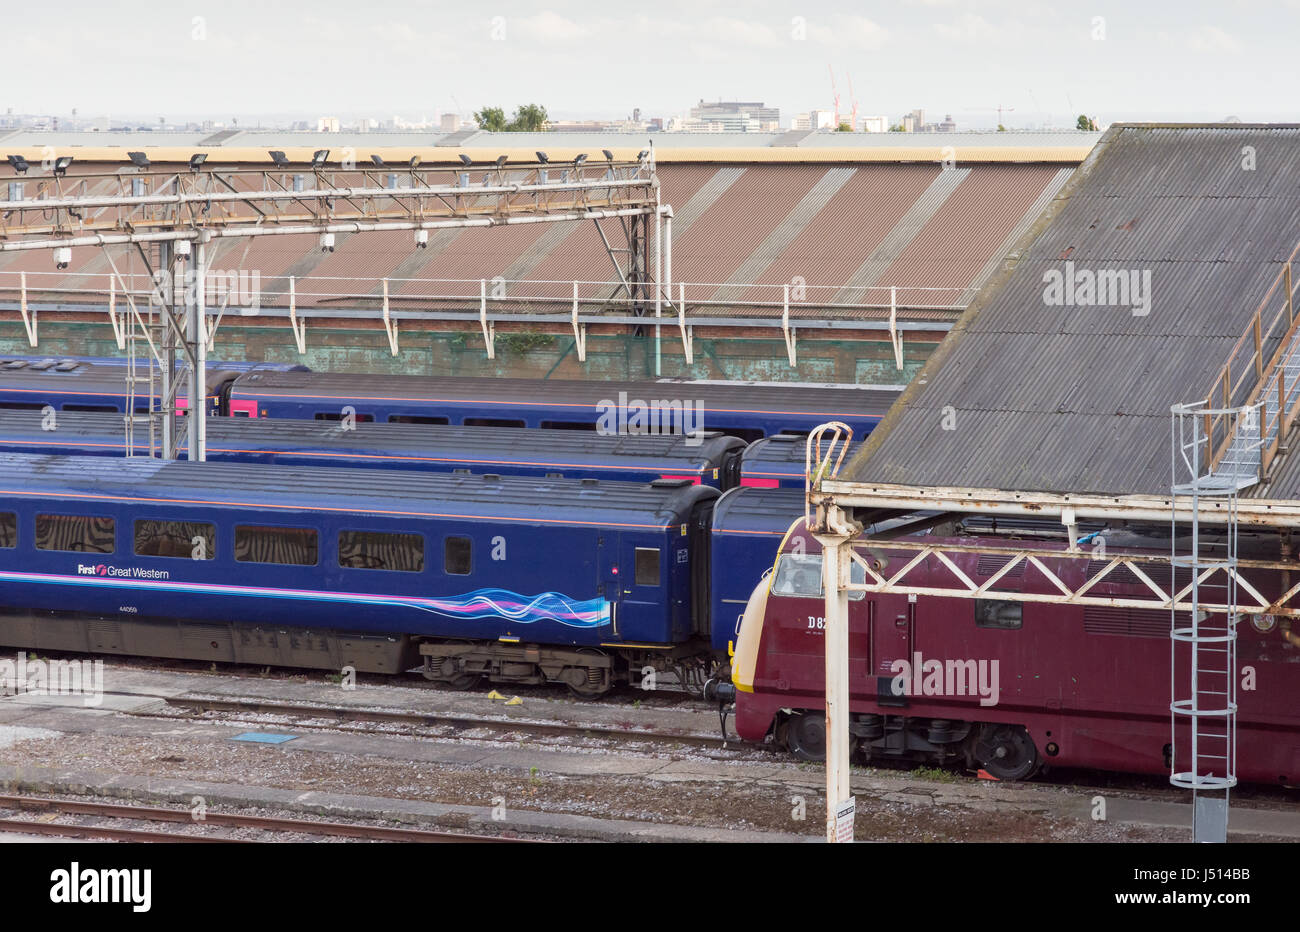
(1003, 685)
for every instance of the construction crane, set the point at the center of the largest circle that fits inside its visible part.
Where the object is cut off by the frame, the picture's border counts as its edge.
(836, 93)
(999, 109)
(853, 99)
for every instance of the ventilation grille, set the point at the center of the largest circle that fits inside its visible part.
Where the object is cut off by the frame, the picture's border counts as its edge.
(1158, 573)
(990, 563)
(1131, 622)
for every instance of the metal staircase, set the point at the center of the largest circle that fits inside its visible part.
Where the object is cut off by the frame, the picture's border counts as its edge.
(1220, 446)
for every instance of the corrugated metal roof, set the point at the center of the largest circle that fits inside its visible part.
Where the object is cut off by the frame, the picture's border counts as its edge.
(1040, 397)
(748, 226)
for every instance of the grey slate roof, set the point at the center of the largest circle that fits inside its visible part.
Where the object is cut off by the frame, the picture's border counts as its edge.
(1076, 398)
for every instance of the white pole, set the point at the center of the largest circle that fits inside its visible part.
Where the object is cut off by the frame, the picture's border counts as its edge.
(198, 339)
(659, 285)
(167, 402)
(835, 561)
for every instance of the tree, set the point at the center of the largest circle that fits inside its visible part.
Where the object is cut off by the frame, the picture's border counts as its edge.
(1085, 124)
(844, 128)
(896, 128)
(530, 118)
(491, 119)
(1001, 128)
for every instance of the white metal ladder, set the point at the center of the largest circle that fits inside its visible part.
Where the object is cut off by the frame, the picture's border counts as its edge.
(1203, 707)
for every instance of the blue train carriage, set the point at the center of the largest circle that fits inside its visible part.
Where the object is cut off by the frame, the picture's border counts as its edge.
(518, 580)
(780, 462)
(711, 458)
(748, 410)
(99, 385)
(748, 527)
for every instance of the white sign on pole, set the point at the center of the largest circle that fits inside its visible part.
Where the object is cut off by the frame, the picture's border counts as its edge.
(844, 820)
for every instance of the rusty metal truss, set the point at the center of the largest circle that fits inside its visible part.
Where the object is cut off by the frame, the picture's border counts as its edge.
(1061, 506)
(101, 209)
(1153, 571)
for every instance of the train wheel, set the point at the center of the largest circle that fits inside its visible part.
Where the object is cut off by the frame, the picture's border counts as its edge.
(805, 736)
(1006, 752)
(588, 682)
(464, 681)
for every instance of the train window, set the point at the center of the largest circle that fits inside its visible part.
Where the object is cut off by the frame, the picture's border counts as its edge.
(647, 566)
(376, 550)
(22, 405)
(493, 422)
(800, 575)
(456, 556)
(292, 545)
(569, 425)
(103, 408)
(8, 530)
(78, 533)
(193, 540)
(416, 419)
(338, 416)
(998, 613)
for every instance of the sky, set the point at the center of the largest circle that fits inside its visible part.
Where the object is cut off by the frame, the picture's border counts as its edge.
(269, 60)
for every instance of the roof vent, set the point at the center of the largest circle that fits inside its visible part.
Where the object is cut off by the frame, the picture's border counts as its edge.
(590, 482)
(491, 477)
(670, 483)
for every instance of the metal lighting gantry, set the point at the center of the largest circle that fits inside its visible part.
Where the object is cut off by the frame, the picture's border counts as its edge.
(169, 218)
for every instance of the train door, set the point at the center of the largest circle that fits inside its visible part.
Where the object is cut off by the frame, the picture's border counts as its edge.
(699, 554)
(646, 572)
(893, 627)
(607, 580)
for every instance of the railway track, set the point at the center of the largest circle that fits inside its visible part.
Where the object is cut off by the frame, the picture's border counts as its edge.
(50, 807)
(303, 713)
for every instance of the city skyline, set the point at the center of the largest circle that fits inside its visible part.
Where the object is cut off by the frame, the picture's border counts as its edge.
(1045, 63)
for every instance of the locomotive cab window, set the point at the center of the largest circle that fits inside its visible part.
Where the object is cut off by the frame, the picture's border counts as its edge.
(193, 540)
(800, 575)
(456, 556)
(76, 533)
(8, 530)
(998, 613)
(647, 566)
(377, 550)
(295, 546)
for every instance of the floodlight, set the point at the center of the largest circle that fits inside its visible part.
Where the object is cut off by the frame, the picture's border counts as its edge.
(414, 162)
(19, 164)
(61, 164)
(318, 157)
(582, 157)
(197, 160)
(278, 157)
(465, 159)
(543, 157)
(609, 156)
(138, 159)
(376, 161)
(501, 160)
